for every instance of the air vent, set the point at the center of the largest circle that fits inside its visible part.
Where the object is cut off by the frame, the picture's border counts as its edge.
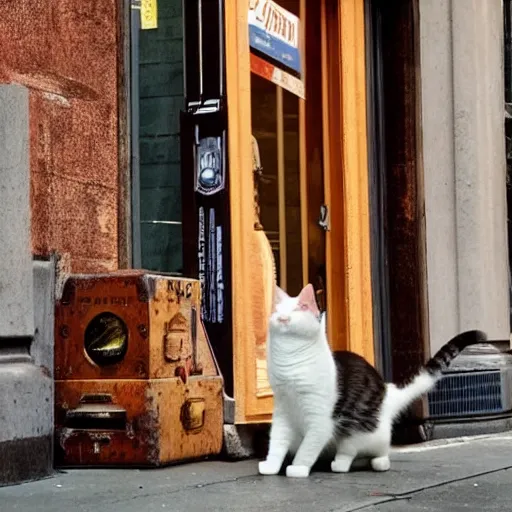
(467, 394)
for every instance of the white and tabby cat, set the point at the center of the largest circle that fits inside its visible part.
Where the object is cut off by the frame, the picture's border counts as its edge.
(333, 402)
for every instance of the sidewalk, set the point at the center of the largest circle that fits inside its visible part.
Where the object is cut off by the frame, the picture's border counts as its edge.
(466, 474)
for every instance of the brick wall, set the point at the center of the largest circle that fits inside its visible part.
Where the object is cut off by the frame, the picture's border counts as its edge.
(66, 53)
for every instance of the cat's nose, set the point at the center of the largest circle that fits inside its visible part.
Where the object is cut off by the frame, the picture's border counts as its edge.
(283, 319)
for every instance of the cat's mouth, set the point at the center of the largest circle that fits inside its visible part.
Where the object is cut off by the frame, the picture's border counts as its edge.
(281, 326)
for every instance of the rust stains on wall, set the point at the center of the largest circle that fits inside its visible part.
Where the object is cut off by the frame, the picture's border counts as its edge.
(66, 53)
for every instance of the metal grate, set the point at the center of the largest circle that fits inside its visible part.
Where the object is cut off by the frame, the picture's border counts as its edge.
(467, 394)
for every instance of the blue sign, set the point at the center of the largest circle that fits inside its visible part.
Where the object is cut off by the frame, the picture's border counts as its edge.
(274, 31)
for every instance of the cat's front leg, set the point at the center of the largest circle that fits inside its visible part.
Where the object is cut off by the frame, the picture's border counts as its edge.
(315, 440)
(280, 440)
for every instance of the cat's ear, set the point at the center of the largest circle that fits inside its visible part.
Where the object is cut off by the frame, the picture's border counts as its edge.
(280, 295)
(307, 300)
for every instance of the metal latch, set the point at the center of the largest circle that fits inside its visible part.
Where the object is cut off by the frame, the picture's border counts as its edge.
(323, 221)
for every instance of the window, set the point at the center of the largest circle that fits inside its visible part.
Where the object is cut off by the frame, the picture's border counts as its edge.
(159, 98)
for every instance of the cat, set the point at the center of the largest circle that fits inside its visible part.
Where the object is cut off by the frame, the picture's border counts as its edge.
(334, 403)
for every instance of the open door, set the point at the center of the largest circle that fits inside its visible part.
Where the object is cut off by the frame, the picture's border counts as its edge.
(302, 135)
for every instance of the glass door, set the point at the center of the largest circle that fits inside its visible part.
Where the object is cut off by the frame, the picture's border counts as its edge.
(275, 127)
(287, 131)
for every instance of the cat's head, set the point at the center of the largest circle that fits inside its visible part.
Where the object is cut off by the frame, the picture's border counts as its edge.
(297, 316)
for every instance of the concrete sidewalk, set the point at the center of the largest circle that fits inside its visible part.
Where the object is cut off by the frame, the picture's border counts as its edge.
(466, 474)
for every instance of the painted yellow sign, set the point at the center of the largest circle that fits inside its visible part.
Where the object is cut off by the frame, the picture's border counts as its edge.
(148, 14)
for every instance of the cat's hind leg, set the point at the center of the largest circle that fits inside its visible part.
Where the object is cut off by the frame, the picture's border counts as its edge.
(381, 463)
(345, 455)
(281, 435)
(317, 436)
(382, 444)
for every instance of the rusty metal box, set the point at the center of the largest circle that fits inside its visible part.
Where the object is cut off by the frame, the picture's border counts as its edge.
(136, 379)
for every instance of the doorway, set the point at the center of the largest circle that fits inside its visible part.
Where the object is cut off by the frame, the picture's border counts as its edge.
(323, 140)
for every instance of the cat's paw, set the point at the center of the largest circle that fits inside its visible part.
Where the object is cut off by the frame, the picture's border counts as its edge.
(380, 463)
(297, 471)
(269, 467)
(341, 464)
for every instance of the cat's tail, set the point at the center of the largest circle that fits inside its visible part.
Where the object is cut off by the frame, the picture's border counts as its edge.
(399, 397)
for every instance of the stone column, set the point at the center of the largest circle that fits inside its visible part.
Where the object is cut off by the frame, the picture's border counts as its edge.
(26, 415)
(464, 167)
(16, 283)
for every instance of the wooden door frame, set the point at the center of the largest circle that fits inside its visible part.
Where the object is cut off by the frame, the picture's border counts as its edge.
(349, 293)
(405, 203)
(349, 297)
(405, 300)
(238, 90)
